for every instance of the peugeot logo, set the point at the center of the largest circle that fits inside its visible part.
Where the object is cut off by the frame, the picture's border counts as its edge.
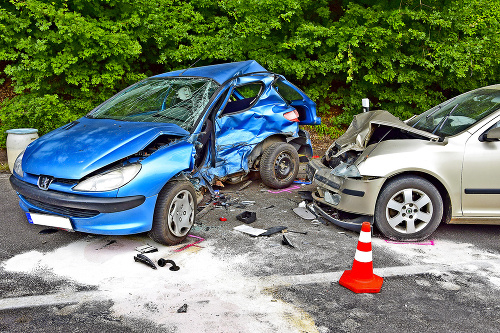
(44, 182)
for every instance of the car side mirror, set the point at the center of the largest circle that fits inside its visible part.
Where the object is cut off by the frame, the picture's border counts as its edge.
(491, 135)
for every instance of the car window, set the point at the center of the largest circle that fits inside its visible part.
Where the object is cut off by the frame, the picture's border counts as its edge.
(176, 100)
(242, 97)
(287, 92)
(459, 113)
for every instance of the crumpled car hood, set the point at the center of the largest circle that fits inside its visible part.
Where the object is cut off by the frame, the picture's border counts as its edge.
(79, 148)
(357, 136)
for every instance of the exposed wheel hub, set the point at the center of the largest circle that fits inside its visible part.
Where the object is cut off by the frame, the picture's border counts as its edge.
(283, 165)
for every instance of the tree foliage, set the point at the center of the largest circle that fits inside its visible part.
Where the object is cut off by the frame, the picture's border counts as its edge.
(65, 57)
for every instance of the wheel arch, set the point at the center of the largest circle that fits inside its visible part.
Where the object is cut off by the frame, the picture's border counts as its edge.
(443, 192)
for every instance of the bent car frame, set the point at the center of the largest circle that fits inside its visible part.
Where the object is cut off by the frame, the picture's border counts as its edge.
(408, 177)
(139, 161)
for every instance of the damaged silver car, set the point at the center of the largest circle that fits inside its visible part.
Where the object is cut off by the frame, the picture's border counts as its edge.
(408, 177)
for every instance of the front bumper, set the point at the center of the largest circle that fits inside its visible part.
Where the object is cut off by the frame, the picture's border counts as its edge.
(98, 215)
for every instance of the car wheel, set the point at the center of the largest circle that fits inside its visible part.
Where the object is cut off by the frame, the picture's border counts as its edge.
(408, 208)
(279, 165)
(174, 214)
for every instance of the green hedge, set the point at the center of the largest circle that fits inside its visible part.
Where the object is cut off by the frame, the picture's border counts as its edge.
(65, 57)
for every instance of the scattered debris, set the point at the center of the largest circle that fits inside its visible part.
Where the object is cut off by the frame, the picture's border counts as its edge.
(183, 309)
(304, 213)
(162, 262)
(306, 195)
(288, 189)
(249, 203)
(273, 230)
(298, 232)
(302, 182)
(146, 249)
(223, 219)
(48, 231)
(286, 241)
(249, 230)
(145, 260)
(200, 239)
(245, 185)
(272, 206)
(315, 222)
(247, 217)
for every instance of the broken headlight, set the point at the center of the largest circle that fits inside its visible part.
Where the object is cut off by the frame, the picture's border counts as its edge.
(110, 180)
(346, 170)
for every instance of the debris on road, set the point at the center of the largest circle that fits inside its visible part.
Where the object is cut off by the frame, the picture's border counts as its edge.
(163, 262)
(146, 249)
(249, 230)
(111, 242)
(244, 185)
(273, 230)
(48, 231)
(286, 241)
(288, 189)
(306, 195)
(222, 219)
(247, 217)
(303, 212)
(183, 309)
(145, 260)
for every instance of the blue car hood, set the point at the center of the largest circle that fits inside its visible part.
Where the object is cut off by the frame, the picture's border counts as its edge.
(79, 148)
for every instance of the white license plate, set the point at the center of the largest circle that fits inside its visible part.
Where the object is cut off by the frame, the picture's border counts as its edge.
(49, 220)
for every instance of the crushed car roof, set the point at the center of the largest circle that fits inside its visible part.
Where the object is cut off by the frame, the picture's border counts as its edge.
(219, 73)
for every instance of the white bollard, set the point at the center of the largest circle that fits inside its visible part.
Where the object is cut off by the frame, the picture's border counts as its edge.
(17, 140)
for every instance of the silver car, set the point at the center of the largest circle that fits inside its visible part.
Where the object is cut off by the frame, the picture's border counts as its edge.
(407, 177)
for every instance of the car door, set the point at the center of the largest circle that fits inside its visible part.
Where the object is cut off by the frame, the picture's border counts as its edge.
(480, 181)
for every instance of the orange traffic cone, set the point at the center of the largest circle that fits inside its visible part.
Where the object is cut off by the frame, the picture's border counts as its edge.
(360, 278)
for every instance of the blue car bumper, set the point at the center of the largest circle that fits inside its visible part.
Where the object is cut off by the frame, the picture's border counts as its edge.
(97, 215)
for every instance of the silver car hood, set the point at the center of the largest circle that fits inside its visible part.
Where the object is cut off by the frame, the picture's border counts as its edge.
(357, 136)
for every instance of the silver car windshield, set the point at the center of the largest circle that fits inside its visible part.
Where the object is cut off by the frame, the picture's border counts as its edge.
(175, 100)
(459, 113)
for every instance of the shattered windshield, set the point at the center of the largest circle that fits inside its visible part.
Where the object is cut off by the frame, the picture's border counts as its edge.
(459, 113)
(178, 100)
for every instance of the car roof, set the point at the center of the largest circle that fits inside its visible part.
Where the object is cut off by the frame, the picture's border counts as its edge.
(219, 73)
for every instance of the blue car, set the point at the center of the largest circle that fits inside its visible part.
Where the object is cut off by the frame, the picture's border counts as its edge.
(139, 161)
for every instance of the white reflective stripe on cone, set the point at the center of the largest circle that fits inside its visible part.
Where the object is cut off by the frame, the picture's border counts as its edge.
(363, 256)
(365, 237)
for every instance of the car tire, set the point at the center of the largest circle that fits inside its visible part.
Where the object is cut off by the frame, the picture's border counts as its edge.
(279, 165)
(408, 209)
(174, 213)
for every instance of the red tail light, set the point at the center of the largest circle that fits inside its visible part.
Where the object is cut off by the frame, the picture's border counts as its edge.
(292, 116)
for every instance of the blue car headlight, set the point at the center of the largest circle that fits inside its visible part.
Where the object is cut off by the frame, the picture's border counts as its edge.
(109, 180)
(346, 171)
(18, 168)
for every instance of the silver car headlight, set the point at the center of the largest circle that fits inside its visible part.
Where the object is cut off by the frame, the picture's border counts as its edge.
(110, 180)
(18, 168)
(346, 171)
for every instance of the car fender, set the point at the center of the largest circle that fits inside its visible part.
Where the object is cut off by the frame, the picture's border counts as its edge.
(158, 168)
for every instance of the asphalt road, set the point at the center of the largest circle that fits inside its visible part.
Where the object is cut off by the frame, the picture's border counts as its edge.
(232, 282)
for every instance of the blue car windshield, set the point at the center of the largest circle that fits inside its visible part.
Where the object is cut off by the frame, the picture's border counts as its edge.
(176, 100)
(459, 113)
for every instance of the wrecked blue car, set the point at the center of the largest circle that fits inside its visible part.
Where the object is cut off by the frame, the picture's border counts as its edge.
(139, 161)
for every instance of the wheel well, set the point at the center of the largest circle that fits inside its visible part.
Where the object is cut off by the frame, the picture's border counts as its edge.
(254, 157)
(440, 187)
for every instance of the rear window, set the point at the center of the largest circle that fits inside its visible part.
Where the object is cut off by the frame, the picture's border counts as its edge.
(288, 93)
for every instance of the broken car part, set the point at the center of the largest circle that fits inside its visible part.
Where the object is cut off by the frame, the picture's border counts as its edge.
(273, 230)
(146, 249)
(182, 309)
(145, 260)
(247, 217)
(162, 262)
(286, 241)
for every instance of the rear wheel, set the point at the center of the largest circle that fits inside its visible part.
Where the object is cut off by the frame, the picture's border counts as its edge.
(408, 208)
(279, 165)
(174, 214)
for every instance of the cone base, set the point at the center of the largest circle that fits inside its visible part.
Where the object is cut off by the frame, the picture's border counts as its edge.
(372, 285)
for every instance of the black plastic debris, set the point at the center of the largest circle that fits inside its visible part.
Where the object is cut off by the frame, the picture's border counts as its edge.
(146, 249)
(163, 262)
(298, 232)
(273, 230)
(111, 242)
(245, 185)
(145, 260)
(48, 231)
(286, 241)
(247, 217)
(183, 309)
(305, 195)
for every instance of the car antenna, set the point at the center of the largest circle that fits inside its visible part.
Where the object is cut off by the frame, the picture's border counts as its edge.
(194, 63)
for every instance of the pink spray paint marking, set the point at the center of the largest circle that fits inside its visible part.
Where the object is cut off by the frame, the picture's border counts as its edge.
(430, 242)
(192, 244)
(288, 189)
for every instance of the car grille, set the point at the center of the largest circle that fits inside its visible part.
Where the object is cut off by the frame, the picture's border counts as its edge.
(66, 211)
